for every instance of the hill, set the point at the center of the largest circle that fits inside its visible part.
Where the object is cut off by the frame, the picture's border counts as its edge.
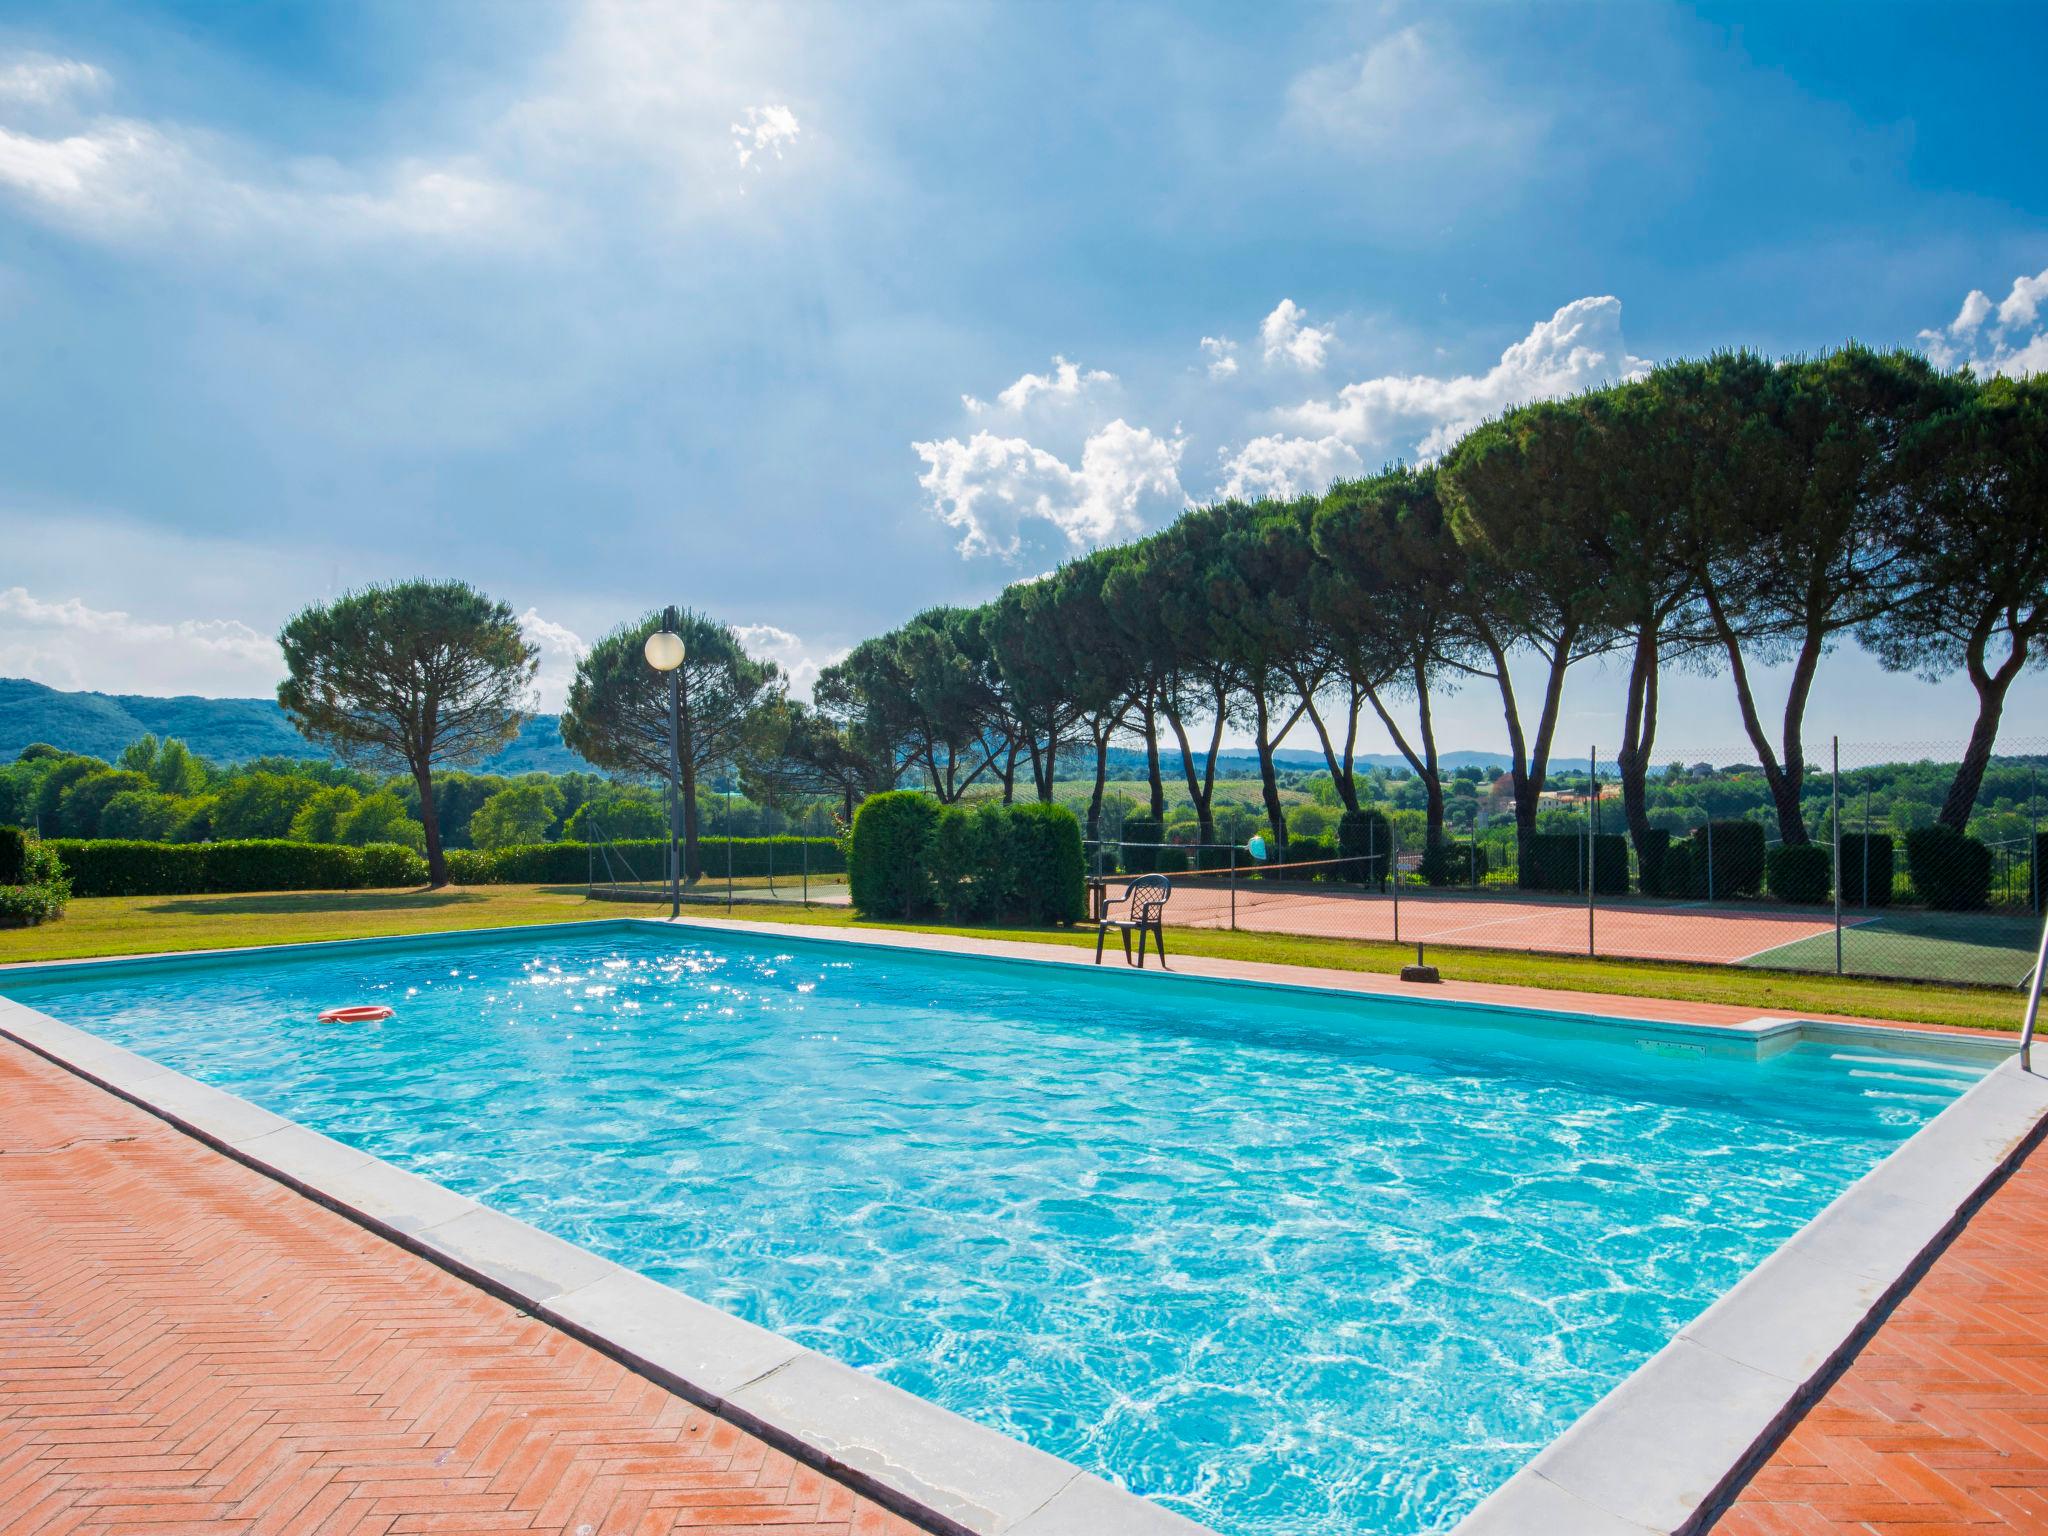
(223, 730)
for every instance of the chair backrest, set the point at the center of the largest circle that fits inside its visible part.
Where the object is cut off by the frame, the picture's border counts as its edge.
(1148, 895)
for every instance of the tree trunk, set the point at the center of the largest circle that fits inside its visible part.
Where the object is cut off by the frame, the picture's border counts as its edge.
(1269, 782)
(437, 861)
(1101, 733)
(1157, 783)
(1638, 736)
(693, 868)
(1991, 688)
(1783, 779)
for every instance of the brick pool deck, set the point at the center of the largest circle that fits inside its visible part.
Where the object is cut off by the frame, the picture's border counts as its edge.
(188, 1348)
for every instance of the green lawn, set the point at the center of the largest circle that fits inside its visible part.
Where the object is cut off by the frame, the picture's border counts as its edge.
(118, 925)
(1974, 947)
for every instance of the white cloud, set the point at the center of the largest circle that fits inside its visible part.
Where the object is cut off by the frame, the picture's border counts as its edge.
(39, 80)
(767, 130)
(1410, 101)
(560, 649)
(66, 643)
(1580, 347)
(1066, 384)
(799, 664)
(1289, 338)
(1281, 466)
(2014, 342)
(992, 488)
(1222, 353)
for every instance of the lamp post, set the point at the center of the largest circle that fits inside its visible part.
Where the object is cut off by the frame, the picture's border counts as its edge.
(665, 652)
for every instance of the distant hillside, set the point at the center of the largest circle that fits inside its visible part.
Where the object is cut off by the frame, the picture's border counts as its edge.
(1242, 763)
(224, 730)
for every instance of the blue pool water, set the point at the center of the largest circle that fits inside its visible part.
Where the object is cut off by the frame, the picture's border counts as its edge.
(1286, 1262)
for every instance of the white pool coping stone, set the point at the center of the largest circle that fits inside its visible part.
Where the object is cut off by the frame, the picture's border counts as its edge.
(1653, 1456)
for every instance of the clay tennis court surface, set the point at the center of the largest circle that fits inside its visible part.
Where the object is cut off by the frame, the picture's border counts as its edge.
(1716, 935)
(188, 1348)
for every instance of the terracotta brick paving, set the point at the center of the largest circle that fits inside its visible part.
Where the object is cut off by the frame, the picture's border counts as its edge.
(188, 1348)
(1940, 1423)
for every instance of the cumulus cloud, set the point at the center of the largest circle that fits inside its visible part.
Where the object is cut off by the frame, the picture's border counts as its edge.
(560, 649)
(1288, 338)
(767, 131)
(67, 643)
(996, 490)
(1282, 466)
(1066, 384)
(799, 662)
(1580, 347)
(2009, 338)
(1222, 354)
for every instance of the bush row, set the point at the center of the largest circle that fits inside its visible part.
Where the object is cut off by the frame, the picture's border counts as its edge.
(644, 859)
(909, 856)
(115, 867)
(1556, 861)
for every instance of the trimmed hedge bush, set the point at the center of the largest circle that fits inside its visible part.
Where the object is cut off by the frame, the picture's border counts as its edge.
(909, 856)
(1738, 858)
(1139, 830)
(1951, 872)
(1367, 838)
(1556, 861)
(114, 867)
(34, 889)
(1801, 873)
(1172, 861)
(1867, 865)
(1451, 863)
(1650, 854)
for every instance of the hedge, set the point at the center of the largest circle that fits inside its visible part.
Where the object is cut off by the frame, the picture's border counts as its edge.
(1651, 851)
(32, 884)
(908, 856)
(117, 867)
(1951, 872)
(1801, 873)
(1867, 865)
(1367, 838)
(1556, 861)
(885, 854)
(1139, 830)
(1737, 847)
(646, 858)
(1451, 863)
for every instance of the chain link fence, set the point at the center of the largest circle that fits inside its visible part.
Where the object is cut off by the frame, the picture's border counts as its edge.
(1848, 864)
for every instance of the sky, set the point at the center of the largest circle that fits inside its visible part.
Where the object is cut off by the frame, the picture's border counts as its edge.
(812, 316)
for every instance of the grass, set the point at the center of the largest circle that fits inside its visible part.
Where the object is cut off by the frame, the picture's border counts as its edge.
(1951, 946)
(118, 925)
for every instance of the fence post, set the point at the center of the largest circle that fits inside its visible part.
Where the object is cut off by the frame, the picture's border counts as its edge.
(807, 870)
(1394, 874)
(1710, 855)
(1835, 853)
(1592, 843)
(728, 838)
(1233, 886)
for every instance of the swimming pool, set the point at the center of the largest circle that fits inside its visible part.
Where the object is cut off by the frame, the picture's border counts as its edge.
(1284, 1261)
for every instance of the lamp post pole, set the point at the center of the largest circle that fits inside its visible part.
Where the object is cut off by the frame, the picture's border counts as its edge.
(665, 653)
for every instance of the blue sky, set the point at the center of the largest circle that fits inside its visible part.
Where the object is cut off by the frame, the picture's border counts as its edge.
(811, 316)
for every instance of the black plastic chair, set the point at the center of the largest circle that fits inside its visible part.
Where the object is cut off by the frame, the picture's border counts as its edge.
(1145, 901)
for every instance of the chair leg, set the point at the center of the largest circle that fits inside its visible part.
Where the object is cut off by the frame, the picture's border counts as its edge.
(1143, 933)
(1100, 935)
(1159, 935)
(1125, 935)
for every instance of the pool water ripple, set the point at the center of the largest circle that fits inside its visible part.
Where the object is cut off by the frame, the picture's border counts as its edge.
(1289, 1264)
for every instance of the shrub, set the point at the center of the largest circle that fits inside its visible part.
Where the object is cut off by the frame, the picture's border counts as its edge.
(1172, 861)
(966, 859)
(885, 857)
(385, 865)
(1556, 861)
(1452, 863)
(1366, 838)
(1305, 848)
(1951, 872)
(643, 858)
(1139, 830)
(1801, 873)
(1675, 870)
(1867, 865)
(1048, 874)
(1650, 852)
(32, 884)
(1738, 858)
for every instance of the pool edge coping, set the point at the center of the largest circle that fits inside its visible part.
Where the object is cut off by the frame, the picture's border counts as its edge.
(1730, 1380)
(935, 1467)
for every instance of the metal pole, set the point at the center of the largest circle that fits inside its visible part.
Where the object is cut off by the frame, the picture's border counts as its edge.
(1592, 868)
(1233, 887)
(2034, 834)
(1835, 852)
(1394, 872)
(1710, 854)
(807, 864)
(2033, 1004)
(728, 837)
(675, 778)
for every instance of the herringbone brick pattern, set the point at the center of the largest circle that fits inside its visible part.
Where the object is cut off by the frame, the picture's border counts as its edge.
(190, 1349)
(1940, 1424)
